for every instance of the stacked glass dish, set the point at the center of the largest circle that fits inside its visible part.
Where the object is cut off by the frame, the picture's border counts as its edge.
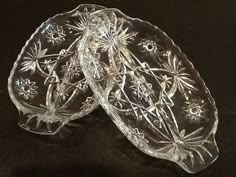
(94, 56)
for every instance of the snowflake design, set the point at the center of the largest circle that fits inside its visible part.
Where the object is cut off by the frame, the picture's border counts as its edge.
(177, 71)
(26, 88)
(136, 137)
(141, 88)
(183, 146)
(114, 36)
(55, 34)
(87, 103)
(72, 66)
(31, 60)
(194, 110)
(150, 47)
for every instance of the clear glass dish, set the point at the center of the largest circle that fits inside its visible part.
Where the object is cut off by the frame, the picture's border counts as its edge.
(150, 89)
(46, 83)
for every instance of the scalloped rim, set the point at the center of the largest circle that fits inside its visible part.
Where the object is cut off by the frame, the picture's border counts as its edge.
(200, 80)
(18, 105)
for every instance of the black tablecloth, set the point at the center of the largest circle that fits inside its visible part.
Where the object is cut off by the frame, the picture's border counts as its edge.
(205, 31)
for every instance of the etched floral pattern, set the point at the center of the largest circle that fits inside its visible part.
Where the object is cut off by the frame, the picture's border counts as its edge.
(150, 47)
(55, 34)
(82, 23)
(113, 37)
(195, 111)
(26, 88)
(142, 89)
(47, 115)
(72, 66)
(178, 72)
(31, 60)
(185, 146)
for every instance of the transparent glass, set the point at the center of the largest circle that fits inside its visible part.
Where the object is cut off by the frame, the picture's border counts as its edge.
(150, 89)
(46, 83)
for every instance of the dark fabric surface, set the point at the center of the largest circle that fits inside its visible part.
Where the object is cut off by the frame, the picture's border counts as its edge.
(205, 31)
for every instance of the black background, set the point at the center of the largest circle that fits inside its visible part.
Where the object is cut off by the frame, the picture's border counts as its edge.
(206, 33)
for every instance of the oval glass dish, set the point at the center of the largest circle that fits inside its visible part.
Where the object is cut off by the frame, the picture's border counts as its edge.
(46, 83)
(150, 89)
